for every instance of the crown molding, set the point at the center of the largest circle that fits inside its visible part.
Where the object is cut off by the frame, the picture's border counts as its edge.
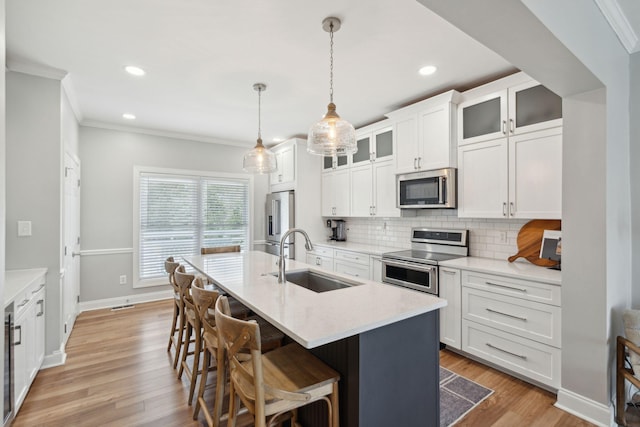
(617, 19)
(162, 133)
(67, 87)
(34, 69)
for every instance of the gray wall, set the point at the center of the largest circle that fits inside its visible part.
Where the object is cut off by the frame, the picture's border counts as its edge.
(634, 110)
(34, 177)
(108, 158)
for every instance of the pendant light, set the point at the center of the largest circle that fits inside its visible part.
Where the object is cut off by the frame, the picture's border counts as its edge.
(332, 136)
(260, 159)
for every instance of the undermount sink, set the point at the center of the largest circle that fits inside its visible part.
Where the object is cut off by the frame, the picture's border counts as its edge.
(316, 281)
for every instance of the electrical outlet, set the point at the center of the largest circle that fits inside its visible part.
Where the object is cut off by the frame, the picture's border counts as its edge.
(503, 237)
(123, 279)
(24, 228)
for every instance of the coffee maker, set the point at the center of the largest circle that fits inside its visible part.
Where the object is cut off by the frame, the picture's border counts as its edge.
(338, 230)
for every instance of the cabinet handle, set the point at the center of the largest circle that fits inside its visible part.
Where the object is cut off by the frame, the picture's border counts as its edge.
(374, 210)
(279, 178)
(23, 303)
(19, 329)
(38, 290)
(506, 351)
(419, 161)
(512, 209)
(318, 261)
(504, 209)
(351, 274)
(41, 302)
(372, 156)
(415, 163)
(504, 127)
(513, 288)
(350, 257)
(490, 310)
(511, 126)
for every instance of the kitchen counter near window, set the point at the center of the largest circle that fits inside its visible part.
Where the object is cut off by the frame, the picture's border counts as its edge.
(380, 338)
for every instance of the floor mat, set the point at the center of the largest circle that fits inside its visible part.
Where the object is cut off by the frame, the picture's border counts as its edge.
(458, 396)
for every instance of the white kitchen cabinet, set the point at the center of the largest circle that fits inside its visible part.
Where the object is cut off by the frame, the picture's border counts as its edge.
(29, 338)
(514, 324)
(321, 261)
(375, 142)
(426, 134)
(373, 190)
(513, 110)
(450, 288)
(375, 268)
(516, 177)
(351, 263)
(283, 179)
(336, 195)
(331, 163)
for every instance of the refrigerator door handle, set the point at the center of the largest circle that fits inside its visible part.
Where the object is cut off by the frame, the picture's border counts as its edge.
(276, 213)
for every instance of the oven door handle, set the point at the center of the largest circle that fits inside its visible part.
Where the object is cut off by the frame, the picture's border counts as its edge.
(412, 266)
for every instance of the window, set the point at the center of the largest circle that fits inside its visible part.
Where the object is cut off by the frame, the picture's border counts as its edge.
(178, 212)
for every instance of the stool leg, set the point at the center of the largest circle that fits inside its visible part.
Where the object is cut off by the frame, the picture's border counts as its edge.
(334, 413)
(174, 323)
(185, 349)
(196, 361)
(180, 336)
(234, 403)
(206, 360)
(221, 376)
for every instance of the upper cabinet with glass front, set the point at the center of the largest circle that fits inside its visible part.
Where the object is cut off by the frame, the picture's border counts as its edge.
(521, 108)
(375, 142)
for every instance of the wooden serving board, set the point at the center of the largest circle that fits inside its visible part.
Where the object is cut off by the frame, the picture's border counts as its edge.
(530, 239)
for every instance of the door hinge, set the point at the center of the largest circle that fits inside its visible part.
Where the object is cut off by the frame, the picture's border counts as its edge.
(65, 251)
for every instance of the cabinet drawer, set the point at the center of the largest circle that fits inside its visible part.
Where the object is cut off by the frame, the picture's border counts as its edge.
(531, 359)
(354, 257)
(351, 269)
(539, 322)
(525, 289)
(322, 250)
(320, 261)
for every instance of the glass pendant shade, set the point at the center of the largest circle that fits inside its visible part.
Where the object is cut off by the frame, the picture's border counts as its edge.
(332, 136)
(259, 160)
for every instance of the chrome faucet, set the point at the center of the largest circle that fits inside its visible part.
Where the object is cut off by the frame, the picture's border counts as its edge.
(307, 244)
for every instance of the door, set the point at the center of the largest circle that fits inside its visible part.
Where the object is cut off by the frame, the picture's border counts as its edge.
(71, 277)
(361, 191)
(384, 190)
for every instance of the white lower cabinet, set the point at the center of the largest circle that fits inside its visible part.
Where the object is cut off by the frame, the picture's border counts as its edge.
(351, 263)
(450, 316)
(375, 268)
(512, 323)
(29, 338)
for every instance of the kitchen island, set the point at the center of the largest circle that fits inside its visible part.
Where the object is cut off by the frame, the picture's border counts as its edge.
(382, 339)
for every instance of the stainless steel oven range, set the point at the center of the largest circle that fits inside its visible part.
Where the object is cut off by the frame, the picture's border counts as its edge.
(417, 268)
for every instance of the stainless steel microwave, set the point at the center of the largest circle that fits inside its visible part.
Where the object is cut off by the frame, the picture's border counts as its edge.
(428, 189)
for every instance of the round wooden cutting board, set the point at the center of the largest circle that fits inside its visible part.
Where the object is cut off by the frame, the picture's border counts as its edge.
(530, 239)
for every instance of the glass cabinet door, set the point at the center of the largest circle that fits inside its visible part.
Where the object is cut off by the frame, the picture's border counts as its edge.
(384, 144)
(364, 150)
(533, 107)
(327, 163)
(484, 118)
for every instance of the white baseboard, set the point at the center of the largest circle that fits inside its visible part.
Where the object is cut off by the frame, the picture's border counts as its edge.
(120, 301)
(57, 358)
(585, 408)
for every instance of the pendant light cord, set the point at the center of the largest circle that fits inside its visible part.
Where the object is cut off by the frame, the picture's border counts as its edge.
(259, 113)
(331, 62)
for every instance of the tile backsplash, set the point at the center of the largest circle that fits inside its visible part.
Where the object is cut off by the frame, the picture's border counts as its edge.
(488, 238)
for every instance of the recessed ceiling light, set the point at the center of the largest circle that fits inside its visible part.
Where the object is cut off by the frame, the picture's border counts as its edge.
(277, 139)
(128, 116)
(427, 70)
(133, 70)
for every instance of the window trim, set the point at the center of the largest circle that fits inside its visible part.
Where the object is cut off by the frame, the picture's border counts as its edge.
(137, 171)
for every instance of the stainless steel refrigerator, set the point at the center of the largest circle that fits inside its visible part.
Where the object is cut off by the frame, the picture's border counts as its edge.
(280, 216)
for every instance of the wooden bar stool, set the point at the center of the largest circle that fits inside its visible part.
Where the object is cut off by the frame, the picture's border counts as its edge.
(170, 267)
(275, 383)
(192, 330)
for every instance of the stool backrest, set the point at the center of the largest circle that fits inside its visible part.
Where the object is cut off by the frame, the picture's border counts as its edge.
(219, 249)
(170, 267)
(204, 301)
(183, 282)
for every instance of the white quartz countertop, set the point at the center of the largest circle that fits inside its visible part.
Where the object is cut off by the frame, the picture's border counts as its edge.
(16, 281)
(360, 247)
(312, 319)
(519, 270)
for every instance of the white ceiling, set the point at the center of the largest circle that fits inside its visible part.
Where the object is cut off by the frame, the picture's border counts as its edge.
(202, 58)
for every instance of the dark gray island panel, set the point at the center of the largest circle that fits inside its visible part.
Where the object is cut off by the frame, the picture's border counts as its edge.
(389, 376)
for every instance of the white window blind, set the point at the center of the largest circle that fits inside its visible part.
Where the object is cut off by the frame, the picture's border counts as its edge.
(179, 214)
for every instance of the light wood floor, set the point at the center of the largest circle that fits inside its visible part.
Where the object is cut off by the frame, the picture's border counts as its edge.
(118, 373)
